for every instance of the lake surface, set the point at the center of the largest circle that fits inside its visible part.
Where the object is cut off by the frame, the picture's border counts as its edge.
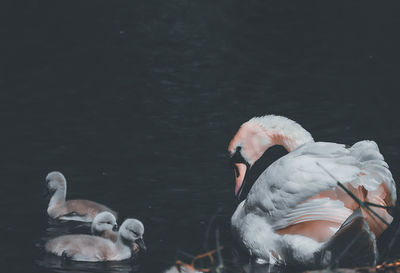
(136, 102)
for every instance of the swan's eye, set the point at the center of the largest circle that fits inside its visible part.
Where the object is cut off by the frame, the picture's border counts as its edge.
(134, 232)
(237, 156)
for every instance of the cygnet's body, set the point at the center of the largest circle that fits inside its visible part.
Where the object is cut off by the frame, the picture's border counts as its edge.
(105, 226)
(90, 248)
(77, 210)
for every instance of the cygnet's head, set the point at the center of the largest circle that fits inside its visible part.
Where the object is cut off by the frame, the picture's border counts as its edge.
(55, 181)
(132, 231)
(104, 221)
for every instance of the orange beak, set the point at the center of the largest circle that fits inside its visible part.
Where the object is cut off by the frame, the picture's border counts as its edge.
(240, 172)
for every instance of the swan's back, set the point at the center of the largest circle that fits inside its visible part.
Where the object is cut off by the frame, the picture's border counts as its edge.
(295, 190)
(85, 210)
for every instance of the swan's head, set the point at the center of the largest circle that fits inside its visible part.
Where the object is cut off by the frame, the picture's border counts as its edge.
(246, 147)
(258, 134)
(104, 221)
(55, 181)
(131, 231)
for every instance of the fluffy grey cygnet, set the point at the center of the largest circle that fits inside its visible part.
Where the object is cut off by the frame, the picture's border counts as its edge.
(105, 225)
(90, 248)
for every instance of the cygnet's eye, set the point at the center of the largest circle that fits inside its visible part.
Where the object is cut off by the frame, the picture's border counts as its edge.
(134, 232)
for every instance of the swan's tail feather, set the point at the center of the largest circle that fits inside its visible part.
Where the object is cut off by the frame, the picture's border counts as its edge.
(374, 168)
(377, 184)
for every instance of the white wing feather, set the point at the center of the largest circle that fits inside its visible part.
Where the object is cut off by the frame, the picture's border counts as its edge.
(280, 190)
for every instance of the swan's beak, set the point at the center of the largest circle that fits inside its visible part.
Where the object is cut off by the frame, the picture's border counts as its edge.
(240, 170)
(47, 192)
(115, 227)
(141, 244)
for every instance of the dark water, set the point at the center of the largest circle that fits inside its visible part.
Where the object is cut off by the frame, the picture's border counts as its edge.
(136, 101)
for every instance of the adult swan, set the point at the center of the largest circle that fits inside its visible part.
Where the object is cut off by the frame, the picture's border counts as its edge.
(296, 213)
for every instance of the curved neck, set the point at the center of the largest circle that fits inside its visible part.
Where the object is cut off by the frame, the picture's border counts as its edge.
(123, 245)
(271, 130)
(278, 137)
(57, 198)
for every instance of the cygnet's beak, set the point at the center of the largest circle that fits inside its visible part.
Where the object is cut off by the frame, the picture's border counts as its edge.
(46, 192)
(141, 244)
(115, 227)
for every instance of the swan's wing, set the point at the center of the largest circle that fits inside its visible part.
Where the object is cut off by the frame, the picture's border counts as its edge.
(72, 216)
(377, 170)
(296, 176)
(283, 189)
(84, 210)
(320, 209)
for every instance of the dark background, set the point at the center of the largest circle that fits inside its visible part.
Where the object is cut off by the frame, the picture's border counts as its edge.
(136, 101)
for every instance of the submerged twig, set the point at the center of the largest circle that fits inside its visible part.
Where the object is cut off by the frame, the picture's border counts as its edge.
(212, 219)
(220, 265)
(179, 264)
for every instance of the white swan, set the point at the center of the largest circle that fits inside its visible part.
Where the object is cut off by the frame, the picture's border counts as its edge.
(77, 210)
(295, 205)
(89, 248)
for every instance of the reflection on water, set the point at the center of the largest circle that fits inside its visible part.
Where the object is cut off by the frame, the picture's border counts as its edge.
(56, 264)
(135, 102)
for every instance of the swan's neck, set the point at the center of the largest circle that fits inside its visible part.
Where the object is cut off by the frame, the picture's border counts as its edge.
(95, 231)
(120, 242)
(282, 131)
(58, 198)
(123, 246)
(278, 137)
(260, 133)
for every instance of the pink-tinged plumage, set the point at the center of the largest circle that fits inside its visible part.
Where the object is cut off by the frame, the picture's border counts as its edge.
(77, 210)
(295, 206)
